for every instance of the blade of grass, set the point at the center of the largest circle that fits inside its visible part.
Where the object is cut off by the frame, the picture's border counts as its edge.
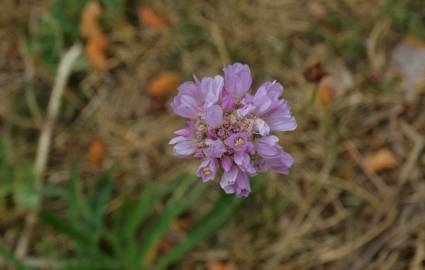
(144, 206)
(177, 203)
(97, 203)
(100, 195)
(135, 253)
(61, 226)
(210, 223)
(73, 199)
(3, 153)
(131, 216)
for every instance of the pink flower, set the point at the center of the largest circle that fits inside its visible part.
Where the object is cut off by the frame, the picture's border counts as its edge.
(230, 128)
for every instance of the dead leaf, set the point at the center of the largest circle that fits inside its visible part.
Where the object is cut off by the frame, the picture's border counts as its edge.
(335, 84)
(89, 23)
(381, 160)
(97, 42)
(325, 93)
(97, 152)
(218, 265)
(314, 73)
(96, 50)
(409, 60)
(162, 84)
(150, 17)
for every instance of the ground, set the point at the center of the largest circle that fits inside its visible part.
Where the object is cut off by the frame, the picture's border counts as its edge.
(352, 69)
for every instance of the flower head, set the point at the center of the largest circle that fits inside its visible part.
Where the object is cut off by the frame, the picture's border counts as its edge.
(229, 128)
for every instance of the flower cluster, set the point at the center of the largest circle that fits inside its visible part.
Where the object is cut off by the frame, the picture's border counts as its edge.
(231, 129)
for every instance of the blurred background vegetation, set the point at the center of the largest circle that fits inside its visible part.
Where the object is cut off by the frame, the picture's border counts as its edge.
(87, 179)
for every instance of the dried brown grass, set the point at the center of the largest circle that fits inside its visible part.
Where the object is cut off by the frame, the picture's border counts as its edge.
(330, 212)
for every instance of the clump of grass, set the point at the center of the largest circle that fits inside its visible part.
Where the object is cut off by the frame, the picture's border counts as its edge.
(128, 237)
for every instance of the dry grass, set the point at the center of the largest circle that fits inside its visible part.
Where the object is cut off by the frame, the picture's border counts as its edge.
(331, 212)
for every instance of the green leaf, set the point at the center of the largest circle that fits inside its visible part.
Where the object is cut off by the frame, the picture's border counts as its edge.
(11, 258)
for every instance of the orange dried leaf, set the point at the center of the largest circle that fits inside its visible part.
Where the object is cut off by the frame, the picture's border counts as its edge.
(325, 93)
(89, 25)
(217, 265)
(162, 84)
(149, 17)
(96, 47)
(97, 42)
(381, 160)
(97, 152)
